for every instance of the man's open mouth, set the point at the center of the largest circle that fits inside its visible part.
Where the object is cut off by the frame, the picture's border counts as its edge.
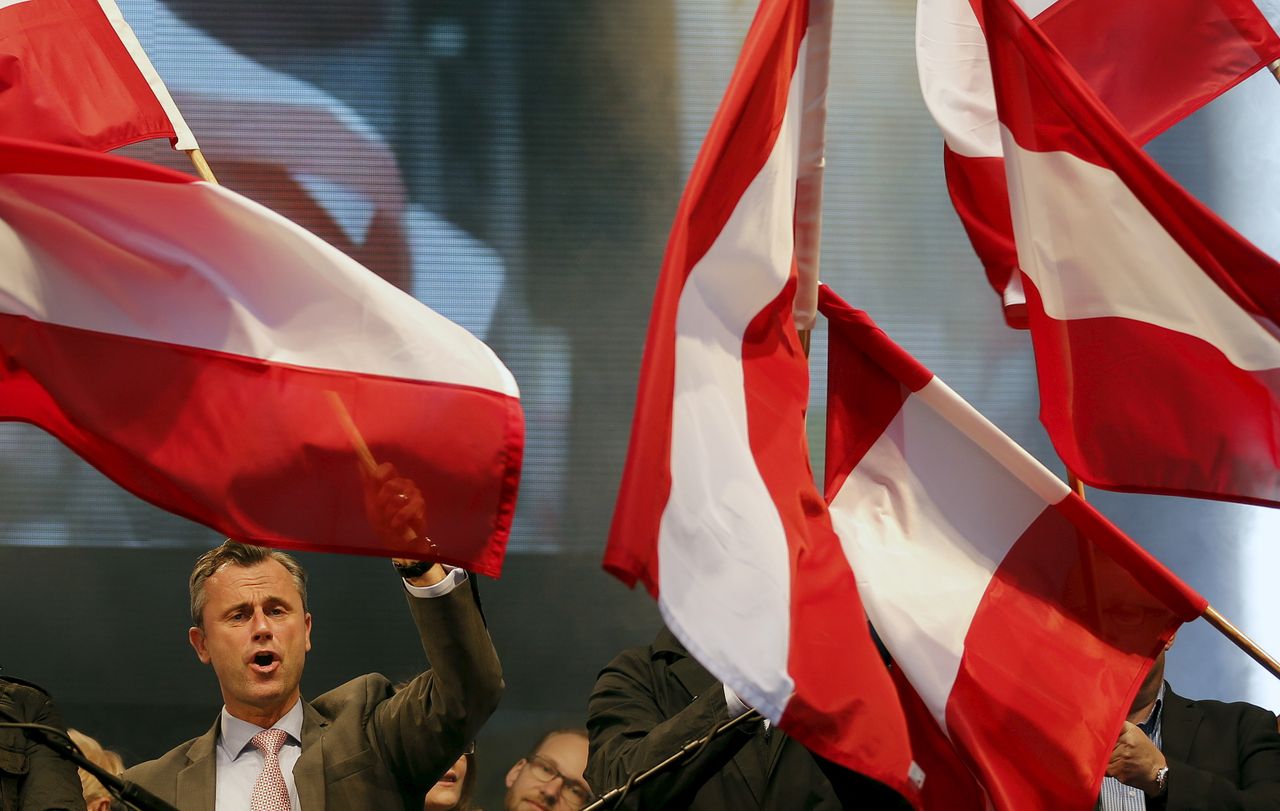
(264, 662)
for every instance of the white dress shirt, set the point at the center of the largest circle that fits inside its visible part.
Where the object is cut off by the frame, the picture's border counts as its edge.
(239, 763)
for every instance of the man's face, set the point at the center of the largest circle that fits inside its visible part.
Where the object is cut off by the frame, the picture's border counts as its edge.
(551, 778)
(256, 636)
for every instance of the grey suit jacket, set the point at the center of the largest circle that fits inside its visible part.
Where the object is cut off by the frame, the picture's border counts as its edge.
(365, 746)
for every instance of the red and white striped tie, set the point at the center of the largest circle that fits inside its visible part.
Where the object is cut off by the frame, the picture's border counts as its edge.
(270, 792)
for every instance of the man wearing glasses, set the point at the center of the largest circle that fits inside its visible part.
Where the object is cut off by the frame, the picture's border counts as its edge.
(550, 779)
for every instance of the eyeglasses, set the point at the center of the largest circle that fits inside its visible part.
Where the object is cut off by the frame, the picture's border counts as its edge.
(575, 793)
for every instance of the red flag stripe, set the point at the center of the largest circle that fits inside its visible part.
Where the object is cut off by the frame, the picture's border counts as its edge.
(75, 74)
(140, 412)
(1165, 450)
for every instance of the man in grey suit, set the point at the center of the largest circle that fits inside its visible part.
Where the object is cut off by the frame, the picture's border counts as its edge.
(361, 745)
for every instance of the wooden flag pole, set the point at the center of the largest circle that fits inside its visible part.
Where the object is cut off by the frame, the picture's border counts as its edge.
(1211, 615)
(202, 166)
(1242, 641)
(362, 447)
(1274, 67)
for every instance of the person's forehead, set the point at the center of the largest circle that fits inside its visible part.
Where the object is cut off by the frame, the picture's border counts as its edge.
(569, 752)
(266, 577)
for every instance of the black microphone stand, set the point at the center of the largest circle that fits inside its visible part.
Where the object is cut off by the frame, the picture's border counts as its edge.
(689, 751)
(128, 792)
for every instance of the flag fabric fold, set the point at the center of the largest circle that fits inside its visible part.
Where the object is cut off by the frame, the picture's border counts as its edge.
(717, 512)
(1023, 619)
(72, 72)
(1156, 326)
(1150, 62)
(185, 341)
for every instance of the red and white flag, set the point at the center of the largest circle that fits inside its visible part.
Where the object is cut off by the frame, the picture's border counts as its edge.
(1151, 62)
(1023, 619)
(717, 513)
(72, 72)
(1156, 326)
(184, 340)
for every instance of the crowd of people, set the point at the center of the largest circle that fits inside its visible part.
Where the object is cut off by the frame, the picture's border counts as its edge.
(369, 744)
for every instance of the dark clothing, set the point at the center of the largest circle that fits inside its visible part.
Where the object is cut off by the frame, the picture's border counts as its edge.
(33, 778)
(652, 700)
(1222, 757)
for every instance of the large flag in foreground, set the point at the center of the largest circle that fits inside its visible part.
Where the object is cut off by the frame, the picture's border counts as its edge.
(1156, 326)
(718, 514)
(73, 72)
(185, 341)
(1024, 620)
(1151, 62)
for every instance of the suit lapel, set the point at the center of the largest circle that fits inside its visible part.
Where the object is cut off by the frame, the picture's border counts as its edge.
(750, 759)
(198, 780)
(308, 772)
(1179, 721)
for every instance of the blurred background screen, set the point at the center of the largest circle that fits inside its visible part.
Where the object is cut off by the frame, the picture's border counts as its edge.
(516, 166)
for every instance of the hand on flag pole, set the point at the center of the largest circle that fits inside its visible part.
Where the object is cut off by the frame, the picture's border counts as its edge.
(395, 506)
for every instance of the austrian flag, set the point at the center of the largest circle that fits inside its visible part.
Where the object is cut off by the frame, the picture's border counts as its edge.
(73, 72)
(189, 343)
(718, 514)
(1156, 326)
(1023, 619)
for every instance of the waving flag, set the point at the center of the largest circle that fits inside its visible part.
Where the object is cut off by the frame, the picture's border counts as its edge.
(1024, 620)
(1156, 326)
(188, 343)
(718, 514)
(72, 72)
(1151, 62)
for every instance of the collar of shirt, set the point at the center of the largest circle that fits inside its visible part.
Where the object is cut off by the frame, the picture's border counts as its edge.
(1151, 726)
(235, 735)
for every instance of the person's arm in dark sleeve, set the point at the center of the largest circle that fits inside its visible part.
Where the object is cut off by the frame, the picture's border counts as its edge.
(1192, 789)
(628, 733)
(52, 784)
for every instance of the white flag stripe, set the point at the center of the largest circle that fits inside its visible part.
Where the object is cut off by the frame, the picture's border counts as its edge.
(926, 518)
(955, 77)
(992, 441)
(1093, 250)
(185, 140)
(717, 493)
(220, 291)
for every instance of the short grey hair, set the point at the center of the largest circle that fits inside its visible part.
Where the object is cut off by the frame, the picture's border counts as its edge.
(238, 554)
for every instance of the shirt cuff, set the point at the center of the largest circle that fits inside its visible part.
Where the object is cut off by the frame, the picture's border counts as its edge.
(453, 577)
(734, 704)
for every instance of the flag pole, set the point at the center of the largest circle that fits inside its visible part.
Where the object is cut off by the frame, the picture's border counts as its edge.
(362, 448)
(202, 166)
(1224, 626)
(1274, 67)
(811, 167)
(690, 750)
(1242, 641)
